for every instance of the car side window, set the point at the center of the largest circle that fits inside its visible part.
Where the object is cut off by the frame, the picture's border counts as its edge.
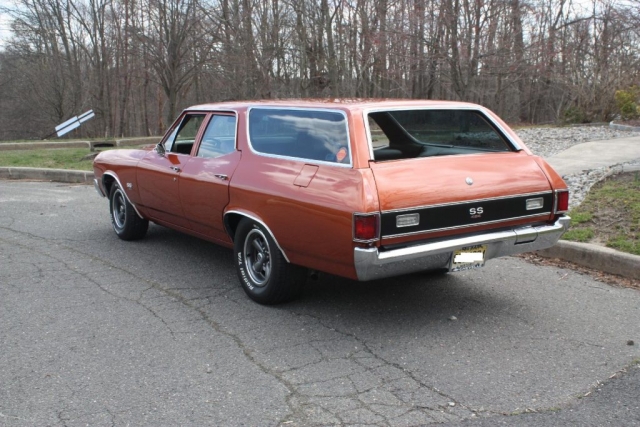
(319, 135)
(219, 137)
(182, 138)
(378, 138)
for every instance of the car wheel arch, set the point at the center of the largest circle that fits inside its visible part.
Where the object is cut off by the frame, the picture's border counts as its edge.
(108, 179)
(233, 217)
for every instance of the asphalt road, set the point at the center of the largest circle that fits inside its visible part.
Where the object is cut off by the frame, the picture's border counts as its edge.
(97, 331)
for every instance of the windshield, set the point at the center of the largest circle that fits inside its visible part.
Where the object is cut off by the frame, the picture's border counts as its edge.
(425, 133)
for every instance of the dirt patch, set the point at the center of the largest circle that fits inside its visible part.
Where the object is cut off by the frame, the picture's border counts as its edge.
(610, 279)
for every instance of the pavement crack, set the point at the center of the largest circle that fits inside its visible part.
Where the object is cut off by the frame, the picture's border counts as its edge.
(398, 366)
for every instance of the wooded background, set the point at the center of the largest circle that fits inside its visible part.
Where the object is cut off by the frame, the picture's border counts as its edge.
(137, 63)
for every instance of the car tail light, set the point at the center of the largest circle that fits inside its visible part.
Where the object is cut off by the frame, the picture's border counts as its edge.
(562, 201)
(366, 227)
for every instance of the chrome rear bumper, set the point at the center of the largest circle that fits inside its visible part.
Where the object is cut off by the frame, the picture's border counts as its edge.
(371, 263)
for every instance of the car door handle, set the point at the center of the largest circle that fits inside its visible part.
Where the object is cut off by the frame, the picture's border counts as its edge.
(175, 168)
(221, 176)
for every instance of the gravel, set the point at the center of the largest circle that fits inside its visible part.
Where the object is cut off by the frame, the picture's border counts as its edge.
(548, 141)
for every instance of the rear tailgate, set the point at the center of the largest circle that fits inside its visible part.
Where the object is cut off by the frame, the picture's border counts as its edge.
(423, 196)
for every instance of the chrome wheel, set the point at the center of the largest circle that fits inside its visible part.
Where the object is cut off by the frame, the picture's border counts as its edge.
(125, 221)
(257, 257)
(264, 273)
(119, 209)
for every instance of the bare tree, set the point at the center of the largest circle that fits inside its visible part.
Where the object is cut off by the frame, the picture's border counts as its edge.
(137, 62)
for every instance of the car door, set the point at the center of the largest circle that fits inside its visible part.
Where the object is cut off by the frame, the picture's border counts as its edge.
(159, 172)
(205, 177)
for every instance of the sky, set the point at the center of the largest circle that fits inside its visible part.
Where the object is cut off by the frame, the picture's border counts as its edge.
(4, 23)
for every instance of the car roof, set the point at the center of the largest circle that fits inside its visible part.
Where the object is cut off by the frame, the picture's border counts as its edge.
(331, 103)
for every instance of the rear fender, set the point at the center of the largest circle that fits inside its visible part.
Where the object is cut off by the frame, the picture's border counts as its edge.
(233, 217)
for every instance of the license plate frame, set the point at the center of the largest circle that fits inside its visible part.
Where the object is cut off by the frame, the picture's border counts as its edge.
(468, 258)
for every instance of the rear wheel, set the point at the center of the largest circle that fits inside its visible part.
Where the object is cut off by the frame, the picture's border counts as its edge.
(124, 218)
(264, 273)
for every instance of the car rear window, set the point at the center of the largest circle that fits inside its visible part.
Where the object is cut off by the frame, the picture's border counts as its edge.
(425, 133)
(316, 135)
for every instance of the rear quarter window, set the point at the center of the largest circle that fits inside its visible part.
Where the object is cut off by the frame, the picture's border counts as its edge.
(316, 135)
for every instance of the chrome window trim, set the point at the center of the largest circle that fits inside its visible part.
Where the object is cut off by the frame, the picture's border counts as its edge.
(459, 227)
(480, 109)
(259, 221)
(114, 176)
(210, 110)
(200, 110)
(353, 226)
(177, 124)
(298, 159)
(212, 113)
(367, 128)
(488, 199)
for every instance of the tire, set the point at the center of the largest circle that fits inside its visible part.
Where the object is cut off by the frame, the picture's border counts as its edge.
(264, 273)
(124, 218)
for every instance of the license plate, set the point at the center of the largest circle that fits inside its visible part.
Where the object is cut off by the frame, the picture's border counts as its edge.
(468, 258)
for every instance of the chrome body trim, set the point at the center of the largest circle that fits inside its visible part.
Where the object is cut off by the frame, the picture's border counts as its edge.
(99, 190)
(458, 227)
(373, 263)
(462, 202)
(259, 221)
(300, 159)
(114, 176)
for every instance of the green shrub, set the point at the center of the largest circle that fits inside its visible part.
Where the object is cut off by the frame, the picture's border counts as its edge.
(627, 102)
(575, 115)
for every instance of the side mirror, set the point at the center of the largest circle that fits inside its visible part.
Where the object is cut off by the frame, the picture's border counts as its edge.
(160, 149)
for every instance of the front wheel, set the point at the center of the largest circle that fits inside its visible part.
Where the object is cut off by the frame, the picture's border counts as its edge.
(264, 273)
(124, 218)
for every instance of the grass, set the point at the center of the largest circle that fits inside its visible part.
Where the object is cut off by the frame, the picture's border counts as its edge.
(579, 234)
(57, 158)
(610, 214)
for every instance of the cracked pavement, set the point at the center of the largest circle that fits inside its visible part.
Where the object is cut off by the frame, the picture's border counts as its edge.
(97, 331)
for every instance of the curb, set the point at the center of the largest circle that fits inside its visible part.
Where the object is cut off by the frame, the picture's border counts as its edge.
(595, 257)
(628, 128)
(91, 145)
(6, 146)
(41, 174)
(584, 254)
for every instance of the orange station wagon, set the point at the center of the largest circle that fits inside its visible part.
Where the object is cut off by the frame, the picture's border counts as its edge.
(363, 189)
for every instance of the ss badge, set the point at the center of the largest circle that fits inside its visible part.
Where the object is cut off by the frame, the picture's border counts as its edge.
(476, 212)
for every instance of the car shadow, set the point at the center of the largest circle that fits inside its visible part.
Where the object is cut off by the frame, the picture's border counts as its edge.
(426, 297)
